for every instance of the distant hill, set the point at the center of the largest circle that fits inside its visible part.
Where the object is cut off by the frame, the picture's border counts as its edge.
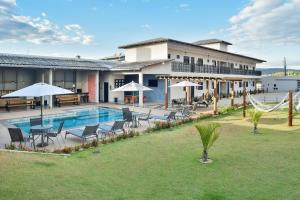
(267, 71)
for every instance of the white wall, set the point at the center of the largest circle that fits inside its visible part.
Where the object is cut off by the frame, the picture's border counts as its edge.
(110, 78)
(218, 46)
(145, 53)
(279, 84)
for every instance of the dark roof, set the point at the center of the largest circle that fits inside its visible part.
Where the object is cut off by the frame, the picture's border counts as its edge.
(138, 65)
(211, 41)
(13, 60)
(162, 40)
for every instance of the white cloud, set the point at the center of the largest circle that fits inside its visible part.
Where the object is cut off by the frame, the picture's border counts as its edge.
(146, 26)
(14, 27)
(184, 6)
(265, 21)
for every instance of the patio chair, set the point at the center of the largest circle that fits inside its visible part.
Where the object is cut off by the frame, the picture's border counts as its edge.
(146, 117)
(16, 135)
(127, 116)
(169, 117)
(84, 134)
(184, 114)
(53, 134)
(118, 126)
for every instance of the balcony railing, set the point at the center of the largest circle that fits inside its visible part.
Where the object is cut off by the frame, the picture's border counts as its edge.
(194, 68)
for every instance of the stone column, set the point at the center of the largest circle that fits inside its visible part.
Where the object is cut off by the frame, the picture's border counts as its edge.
(141, 93)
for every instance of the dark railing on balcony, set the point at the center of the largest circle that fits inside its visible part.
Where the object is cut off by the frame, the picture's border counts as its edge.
(182, 67)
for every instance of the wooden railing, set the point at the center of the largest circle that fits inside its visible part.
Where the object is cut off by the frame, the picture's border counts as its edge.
(194, 68)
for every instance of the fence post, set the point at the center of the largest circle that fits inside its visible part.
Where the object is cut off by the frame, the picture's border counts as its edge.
(290, 116)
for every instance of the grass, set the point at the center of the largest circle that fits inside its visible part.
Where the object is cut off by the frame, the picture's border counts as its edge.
(165, 165)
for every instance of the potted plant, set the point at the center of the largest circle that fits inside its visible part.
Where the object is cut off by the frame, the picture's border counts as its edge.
(255, 116)
(209, 134)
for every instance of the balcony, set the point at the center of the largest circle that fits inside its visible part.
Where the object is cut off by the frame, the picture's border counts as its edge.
(181, 67)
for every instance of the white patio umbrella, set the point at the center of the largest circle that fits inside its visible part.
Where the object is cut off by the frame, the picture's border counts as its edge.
(132, 87)
(39, 90)
(185, 84)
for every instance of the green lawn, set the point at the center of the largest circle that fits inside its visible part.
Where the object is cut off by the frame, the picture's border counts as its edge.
(165, 165)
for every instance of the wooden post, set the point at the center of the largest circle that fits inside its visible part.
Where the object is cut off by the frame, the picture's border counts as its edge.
(244, 99)
(232, 93)
(215, 96)
(166, 93)
(290, 117)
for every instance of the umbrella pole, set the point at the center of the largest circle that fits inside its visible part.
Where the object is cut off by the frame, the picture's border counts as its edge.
(41, 111)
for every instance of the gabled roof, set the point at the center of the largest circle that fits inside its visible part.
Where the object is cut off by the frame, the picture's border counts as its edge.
(13, 60)
(163, 40)
(211, 41)
(138, 65)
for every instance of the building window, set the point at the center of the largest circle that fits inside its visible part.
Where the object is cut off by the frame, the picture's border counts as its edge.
(200, 62)
(169, 56)
(212, 85)
(253, 83)
(240, 84)
(231, 65)
(152, 83)
(241, 66)
(119, 83)
(246, 83)
(186, 60)
(214, 63)
(201, 86)
(178, 56)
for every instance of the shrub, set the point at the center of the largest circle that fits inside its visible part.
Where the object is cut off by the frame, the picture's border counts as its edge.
(86, 145)
(255, 117)
(66, 150)
(209, 134)
(10, 146)
(77, 148)
(94, 143)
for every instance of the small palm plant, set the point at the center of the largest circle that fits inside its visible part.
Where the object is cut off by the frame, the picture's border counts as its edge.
(209, 134)
(255, 116)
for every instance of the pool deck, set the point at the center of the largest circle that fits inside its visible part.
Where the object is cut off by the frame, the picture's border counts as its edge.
(72, 141)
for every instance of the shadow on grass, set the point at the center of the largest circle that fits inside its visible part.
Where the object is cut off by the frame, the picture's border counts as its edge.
(44, 164)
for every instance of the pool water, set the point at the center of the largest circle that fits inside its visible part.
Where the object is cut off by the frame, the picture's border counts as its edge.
(74, 118)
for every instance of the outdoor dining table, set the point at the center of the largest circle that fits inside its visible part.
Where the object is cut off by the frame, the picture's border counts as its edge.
(42, 130)
(135, 117)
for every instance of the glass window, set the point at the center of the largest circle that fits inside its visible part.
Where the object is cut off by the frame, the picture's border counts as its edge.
(178, 56)
(240, 84)
(200, 62)
(152, 83)
(201, 86)
(119, 83)
(186, 60)
(169, 56)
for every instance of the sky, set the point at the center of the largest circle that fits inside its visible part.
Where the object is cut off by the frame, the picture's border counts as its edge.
(266, 29)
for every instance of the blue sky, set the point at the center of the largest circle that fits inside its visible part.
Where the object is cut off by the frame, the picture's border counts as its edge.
(265, 29)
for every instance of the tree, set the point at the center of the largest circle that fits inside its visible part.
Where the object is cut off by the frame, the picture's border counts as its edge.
(209, 134)
(255, 116)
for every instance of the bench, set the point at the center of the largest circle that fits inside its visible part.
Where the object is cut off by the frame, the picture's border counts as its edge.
(66, 99)
(11, 103)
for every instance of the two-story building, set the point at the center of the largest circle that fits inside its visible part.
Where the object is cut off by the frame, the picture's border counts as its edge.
(161, 62)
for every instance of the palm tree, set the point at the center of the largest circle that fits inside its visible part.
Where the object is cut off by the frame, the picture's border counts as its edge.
(255, 117)
(209, 135)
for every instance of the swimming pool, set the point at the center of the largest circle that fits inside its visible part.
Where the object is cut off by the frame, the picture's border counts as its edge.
(74, 118)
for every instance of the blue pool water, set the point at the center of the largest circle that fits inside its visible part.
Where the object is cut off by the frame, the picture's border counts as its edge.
(75, 118)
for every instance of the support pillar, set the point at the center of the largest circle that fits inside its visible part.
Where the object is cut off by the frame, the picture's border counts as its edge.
(215, 96)
(232, 93)
(97, 87)
(51, 83)
(244, 99)
(290, 115)
(141, 93)
(207, 89)
(166, 93)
